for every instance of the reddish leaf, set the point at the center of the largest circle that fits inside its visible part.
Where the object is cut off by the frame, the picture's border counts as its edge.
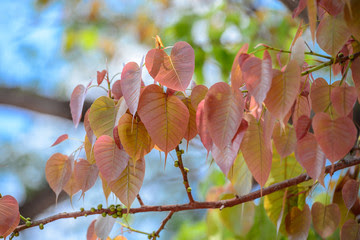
(100, 76)
(72, 185)
(320, 95)
(174, 71)
(301, 6)
(85, 175)
(58, 172)
(302, 126)
(298, 222)
(117, 138)
(325, 218)
(130, 85)
(9, 215)
(257, 75)
(198, 94)
(257, 151)
(332, 34)
(60, 139)
(343, 98)
(102, 116)
(284, 90)
(191, 130)
(165, 117)
(311, 157)
(284, 139)
(236, 74)
(77, 102)
(312, 12)
(105, 187)
(110, 160)
(333, 7)
(350, 192)
(350, 230)
(352, 17)
(335, 137)
(134, 137)
(201, 125)
(224, 110)
(355, 70)
(128, 184)
(116, 90)
(225, 157)
(302, 108)
(90, 234)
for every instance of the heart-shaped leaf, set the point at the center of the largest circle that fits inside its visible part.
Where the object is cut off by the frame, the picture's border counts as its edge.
(110, 160)
(201, 125)
(325, 218)
(302, 107)
(72, 186)
(335, 137)
(102, 116)
(85, 175)
(284, 139)
(236, 74)
(298, 222)
(174, 71)
(257, 151)
(9, 215)
(130, 85)
(225, 157)
(224, 110)
(58, 172)
(198, 94)
(311, 157)
(350, 192)
(350, 230)
(302, 126)
(134, 137)
(320, 95)
(128, 184)
(100, 76)
(352, 17)
(332, 34)
(116, 90)
(191, 130)
(284, 90)
(343, 98)
(165, 117)
(77, 102)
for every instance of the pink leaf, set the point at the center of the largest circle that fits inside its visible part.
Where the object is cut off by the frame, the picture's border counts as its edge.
(284, 139)
(198, 94)
(335, 137)
(302, 126)
(86, 175)
(236, 74)
(130, 85)
(77, 102)
(103, 226)
(320, 95)
(224, 110)
(116, 90)
(301, 6)
(302, 108)
(343, 98)
(355, 70)
(312, 13)
(60, 139)
(9, 215)
(101, 76)
(90, 234)
(110, 160)
(325, 218)
(350, 230)
(72, 185)
(201, 125)
(350, 192)
(333, 7)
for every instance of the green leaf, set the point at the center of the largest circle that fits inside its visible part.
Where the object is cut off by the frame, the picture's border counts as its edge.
(102, 116)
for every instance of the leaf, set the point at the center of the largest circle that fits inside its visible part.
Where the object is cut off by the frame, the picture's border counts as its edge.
(224, 110)
(225, 157)
(302, 107)
(85, 175)
(72, 186)
(343, 98)
(335, 137)
(116, 90)
(121, 110)
(60, 139)
(302, 126)
(350, 192)
(332, 34)
(9, 215)
(236, 74)
(301, 6)
(350, 230)
(103, 226)
(198, 94)
(240, 176)
(312, 12)
(325, 218)
(134, 137)
(100, 76)
(352, 17)
(165, 117)
(284, 139)
(105, 187)
(333, 7)
(89, 150)
(311, 157)
(102, 116)
(174, 71)
(284, 90)
(77, 102)
(201, 125)
(89, 131)
(110, 160)
(355, 70)
(90, 234)
(257, 75)
(58, 172)
(128, 184)
(191, 130)
(257, 151)
(298, 51)
(298, 222)
(130, 85)
(320, 95)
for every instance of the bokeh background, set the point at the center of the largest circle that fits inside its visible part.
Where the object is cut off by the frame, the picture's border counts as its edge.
(47, 47)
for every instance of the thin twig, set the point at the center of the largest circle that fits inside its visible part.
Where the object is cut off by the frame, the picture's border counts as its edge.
(163, 223)
(198, 205)
(184, 174)
(140, 200)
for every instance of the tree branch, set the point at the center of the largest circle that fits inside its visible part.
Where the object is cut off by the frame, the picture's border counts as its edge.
(199, 205)
(163, 223)
(184, 174)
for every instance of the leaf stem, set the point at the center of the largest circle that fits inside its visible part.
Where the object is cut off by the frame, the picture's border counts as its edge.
(184, 174)
(287, 51)
(133, 229)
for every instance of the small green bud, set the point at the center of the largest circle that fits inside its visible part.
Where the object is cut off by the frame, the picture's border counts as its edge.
(351, 57)
(16, 234)
(182, 151)
(186, 169)
(188, 189)
(104, 214)
(74, 217)
(118, 207)
(112, 209)
(341, 55)
(28, 219)
(41, 226)
(149, 236)
(185, 182)
(114, 215)
(99, 206)
(82, 209)
(112, 206)
(92, 209)
(85, 215)
(28, 223)
(176, 163)
(119, 214)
